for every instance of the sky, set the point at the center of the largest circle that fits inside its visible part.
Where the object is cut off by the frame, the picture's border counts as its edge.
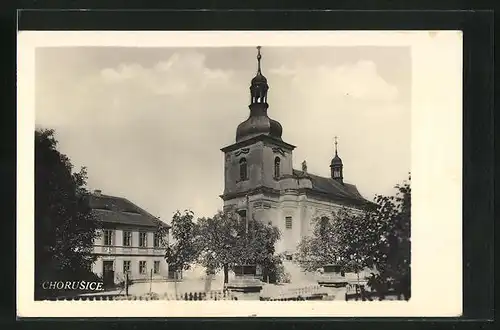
(149, 123)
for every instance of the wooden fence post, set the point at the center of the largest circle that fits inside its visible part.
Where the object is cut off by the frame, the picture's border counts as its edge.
(126, 284)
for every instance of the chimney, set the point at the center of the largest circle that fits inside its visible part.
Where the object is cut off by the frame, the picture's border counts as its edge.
(97, 192)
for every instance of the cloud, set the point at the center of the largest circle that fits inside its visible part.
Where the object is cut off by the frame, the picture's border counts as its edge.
(358, 81)
(179, 74)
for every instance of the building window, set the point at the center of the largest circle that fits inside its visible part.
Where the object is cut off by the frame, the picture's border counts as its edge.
(108, 237)
(156, 240)
(156, 267)
(143, 239)
(142, 267)
(174, 274)
(288, 222)
(243, 169)
(126, 266)
(127, 238)
(277, 167)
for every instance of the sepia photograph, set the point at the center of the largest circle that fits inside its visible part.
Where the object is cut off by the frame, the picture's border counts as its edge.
(234, 172)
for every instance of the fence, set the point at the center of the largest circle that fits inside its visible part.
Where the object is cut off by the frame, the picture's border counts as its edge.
(186, 296)
(290, 293)
(298, 298)
(364, 295)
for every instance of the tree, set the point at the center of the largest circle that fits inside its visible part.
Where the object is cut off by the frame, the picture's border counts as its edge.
(332, 242)
(225, 242)
(389, 240)
(351, 244)
(65, 228)
(161, 233)
(377, 238)
(184, 250)
(257, 246)
(217, 239)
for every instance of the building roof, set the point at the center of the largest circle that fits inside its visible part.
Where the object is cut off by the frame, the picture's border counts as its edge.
(119, 210)
(334, 189)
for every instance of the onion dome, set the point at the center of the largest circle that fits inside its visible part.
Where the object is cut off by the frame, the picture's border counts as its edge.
(259, 79)
(258, 125)
(336, 160)
(258, 122)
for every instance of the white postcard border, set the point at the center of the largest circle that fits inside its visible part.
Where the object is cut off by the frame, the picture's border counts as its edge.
(436, 142)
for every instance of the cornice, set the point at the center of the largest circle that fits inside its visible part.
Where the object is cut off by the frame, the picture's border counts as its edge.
(258, 138)
(254, 191)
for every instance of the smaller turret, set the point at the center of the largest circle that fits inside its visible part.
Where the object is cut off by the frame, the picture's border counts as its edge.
(336, 166)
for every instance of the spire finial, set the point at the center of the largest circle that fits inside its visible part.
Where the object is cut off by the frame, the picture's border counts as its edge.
(258, 58)
(335, 145)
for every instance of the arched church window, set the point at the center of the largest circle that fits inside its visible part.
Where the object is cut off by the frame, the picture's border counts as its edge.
(243, 169)
(277, 162)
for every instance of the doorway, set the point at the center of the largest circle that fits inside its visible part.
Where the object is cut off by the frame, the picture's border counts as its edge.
(108, 274)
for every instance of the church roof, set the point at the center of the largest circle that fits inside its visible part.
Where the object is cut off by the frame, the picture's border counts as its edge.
(333, 189)
(119, 210)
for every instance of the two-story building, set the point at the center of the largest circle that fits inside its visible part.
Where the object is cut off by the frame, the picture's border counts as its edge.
(129, 241)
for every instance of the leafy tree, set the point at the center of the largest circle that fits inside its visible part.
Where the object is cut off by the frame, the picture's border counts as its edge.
(162, 231)
(225, 242)
(389, 240)
(332, 242)
(64, 224)
(351, 243)
(181, 253)
(217, 238)
(257, 246)
(377, 238)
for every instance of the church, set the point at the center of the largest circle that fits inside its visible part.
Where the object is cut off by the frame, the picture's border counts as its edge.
(261, 184)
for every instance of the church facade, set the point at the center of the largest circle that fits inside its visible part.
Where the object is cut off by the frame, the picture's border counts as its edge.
(261, 184)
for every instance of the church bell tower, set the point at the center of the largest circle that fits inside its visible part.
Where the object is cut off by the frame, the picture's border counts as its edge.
(255, 162)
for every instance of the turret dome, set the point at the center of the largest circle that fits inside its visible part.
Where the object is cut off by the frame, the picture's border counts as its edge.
(336, 160)
(258, 122)
(258, 125)
(259, 79)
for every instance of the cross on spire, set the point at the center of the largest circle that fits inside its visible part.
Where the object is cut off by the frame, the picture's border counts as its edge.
(335, 145)
(258, 58)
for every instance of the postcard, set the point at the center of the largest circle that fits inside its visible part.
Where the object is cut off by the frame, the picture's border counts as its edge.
(217, 174)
